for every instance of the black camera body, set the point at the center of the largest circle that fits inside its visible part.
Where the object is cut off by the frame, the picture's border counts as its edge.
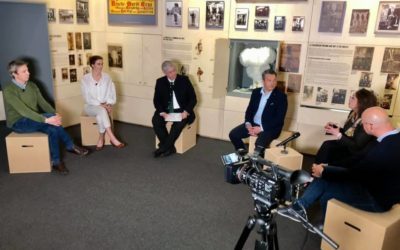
(271, 186)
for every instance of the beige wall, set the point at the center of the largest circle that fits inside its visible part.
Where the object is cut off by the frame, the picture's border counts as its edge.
(142, 55)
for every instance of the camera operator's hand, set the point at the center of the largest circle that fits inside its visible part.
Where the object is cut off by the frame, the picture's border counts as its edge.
(317, 170)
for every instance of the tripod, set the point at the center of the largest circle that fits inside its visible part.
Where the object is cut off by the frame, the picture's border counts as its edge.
(268, 229)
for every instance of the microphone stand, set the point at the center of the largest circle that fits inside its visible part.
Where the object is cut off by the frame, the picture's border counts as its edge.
(284, 150)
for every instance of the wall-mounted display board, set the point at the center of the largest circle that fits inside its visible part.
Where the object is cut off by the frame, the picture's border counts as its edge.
(334, 71)
(128, 12)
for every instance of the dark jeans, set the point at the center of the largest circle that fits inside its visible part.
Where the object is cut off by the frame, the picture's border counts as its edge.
(25, 125)
(264, 138)
(351, 193)
(331, 151)
(167, 140)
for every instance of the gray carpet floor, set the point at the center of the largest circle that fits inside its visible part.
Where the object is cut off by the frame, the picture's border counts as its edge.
(126, 199)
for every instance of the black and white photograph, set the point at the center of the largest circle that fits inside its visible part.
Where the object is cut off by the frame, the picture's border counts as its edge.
(363, 58)
(64, 74)
(261, 24)
(338, 96)
(298, 23)
(87, 40)
(391, 60)
(386, 101)
(66, 16)
(71, 59)
(289, 57)
(193, 18)
(332, 16)
(70, 41)
(72, 75)
(392, 81)
(262, 11)
(387, 20)
(308, 92)
(294, 83)
(80, 60)
(173, 13)
(82, 11)
(115, 56)
(280, 23)
(241, 18)
(322, 95)
(78, 40)
(53, 73)
(359, 21)
(365, 80)
(215, 14)
(51, 15)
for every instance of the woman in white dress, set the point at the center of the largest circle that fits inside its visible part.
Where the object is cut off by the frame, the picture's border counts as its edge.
(98, 92)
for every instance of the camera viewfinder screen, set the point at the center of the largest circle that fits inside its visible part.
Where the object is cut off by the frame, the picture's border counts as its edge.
(230, 158)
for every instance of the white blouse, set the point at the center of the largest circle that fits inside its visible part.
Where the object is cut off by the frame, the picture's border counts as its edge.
(98, 92)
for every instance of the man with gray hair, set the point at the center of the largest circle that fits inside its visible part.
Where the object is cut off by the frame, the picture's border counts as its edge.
(174, 100)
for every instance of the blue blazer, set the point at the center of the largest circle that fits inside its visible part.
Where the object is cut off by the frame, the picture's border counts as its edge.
(274, 113)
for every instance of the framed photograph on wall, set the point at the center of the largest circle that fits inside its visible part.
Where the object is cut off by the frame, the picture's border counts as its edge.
(332, 16)
(115, 56)
(51, 15)
(387, 20)
(262, 11)
(280, 23)
(261, 24)
(215, 14)
(359, 21)
(193, 18)
(241, 18)
(82, 11)
(173, 13)
(391, 60)
(298, 23)
(66, 16)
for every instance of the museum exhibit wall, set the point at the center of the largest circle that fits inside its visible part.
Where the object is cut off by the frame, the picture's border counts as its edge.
(144, 47)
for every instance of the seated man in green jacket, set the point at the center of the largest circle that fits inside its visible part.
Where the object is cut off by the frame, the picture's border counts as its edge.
(27, 111)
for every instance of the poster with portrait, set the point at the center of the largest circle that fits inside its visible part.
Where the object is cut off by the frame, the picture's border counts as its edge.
(308, 92)
(332, 16)
(241, 18)
(82, 11)
(392, 81)
(359, 21)
(215, 14)
(363, 58)
(290, 58)
(391, 60)
(280, 23)
(365, 80)
(64, 74)
(78, 40)
(71, 59)
(70, 41)
(173, 13)
(115, 56)
(87, 40)
(387, 20)
(193, 18)
(322, 95)
(73, 75)
(298, 23)
(338, 96)
(51, 15)
(294, 83)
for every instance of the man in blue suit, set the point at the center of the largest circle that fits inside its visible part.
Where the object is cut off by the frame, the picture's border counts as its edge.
(265, 114)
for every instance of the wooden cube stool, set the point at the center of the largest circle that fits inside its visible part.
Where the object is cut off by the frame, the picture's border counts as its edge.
(291, 159)
(28, 153)
(90, 131)
(355, 229)
(186, 140)
(282, 136)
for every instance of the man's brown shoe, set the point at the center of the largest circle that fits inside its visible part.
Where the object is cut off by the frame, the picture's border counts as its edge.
(79, 150)
(61, 169)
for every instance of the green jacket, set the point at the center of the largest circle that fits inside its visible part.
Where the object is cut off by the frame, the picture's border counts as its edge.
(28, 103)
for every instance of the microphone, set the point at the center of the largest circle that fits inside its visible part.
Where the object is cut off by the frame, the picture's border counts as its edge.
(96, 83)
(291, 138)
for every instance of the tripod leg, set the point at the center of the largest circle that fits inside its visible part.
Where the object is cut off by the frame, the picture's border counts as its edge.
(245, 233)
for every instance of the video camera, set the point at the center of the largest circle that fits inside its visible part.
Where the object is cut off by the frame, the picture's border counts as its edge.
(270, 184)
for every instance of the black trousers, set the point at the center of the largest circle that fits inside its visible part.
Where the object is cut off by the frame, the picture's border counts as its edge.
(331, 151)
(167, 140)
(264, 138)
